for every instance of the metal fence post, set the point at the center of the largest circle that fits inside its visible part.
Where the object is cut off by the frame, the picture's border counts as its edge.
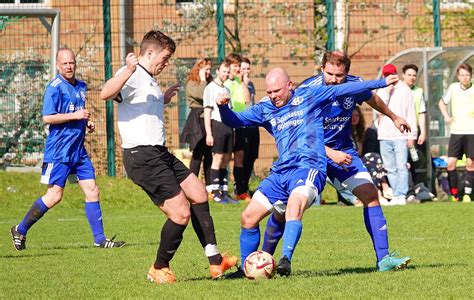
(330, 25)
(436, 23)
(220, 31)
(109, 106)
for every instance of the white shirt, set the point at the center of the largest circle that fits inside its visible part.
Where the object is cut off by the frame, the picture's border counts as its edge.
(462, 108)
(140, 114)
(211, 92)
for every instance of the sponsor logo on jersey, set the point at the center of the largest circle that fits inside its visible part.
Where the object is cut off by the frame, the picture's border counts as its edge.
(71, 106)
(348, 103)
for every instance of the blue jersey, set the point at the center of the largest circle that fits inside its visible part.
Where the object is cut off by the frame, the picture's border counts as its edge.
(65, 142)
(297, 126)
(338, 116)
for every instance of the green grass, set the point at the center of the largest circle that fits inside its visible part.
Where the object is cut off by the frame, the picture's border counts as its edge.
(334, 258)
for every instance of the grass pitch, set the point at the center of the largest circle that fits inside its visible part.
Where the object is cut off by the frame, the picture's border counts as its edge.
(334, 258)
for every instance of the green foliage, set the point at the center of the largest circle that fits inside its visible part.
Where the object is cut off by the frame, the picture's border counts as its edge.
(334, 258)
(23, 76)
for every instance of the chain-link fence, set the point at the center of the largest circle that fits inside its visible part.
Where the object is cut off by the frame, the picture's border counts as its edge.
(290, 34)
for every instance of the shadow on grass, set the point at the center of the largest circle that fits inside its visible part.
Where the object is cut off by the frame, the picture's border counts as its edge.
(20, 256)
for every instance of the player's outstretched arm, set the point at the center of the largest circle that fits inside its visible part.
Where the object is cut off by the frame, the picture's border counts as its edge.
(115, 84)
(376, 103)
(349, 88)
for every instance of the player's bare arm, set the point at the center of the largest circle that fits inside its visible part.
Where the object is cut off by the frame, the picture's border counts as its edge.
(82, 114)
(115, 84)
(443, 107)
(171, 92)
(377, 103)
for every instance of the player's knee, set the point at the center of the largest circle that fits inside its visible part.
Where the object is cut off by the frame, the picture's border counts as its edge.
(93, 193)
(181, 217)
(246, 220)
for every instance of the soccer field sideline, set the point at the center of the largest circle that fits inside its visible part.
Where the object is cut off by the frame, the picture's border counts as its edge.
(333, 260)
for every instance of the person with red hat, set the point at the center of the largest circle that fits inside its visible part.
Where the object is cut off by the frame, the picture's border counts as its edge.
(393, 143)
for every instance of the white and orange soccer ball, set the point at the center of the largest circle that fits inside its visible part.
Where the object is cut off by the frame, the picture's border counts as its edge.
(259, 264)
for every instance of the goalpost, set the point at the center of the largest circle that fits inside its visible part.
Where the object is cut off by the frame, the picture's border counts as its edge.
(52, 28)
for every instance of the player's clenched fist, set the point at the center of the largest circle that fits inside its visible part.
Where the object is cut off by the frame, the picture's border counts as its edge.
(222, 99)
(132, 61)
(391, 79)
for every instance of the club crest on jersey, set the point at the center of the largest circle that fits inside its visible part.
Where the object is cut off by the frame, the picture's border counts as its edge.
(297, 101)
(348, 103)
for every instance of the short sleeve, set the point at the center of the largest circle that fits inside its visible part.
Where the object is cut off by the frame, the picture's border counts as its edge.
(51, 101)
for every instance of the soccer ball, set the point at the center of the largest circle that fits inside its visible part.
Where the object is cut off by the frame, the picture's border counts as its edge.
(259, 264)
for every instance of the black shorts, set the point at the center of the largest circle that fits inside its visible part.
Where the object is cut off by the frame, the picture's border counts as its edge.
(158, 172)
(223, 137)
(460, 144)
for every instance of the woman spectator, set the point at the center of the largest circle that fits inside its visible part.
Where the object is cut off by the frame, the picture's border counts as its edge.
(367, 145)
(194, 132)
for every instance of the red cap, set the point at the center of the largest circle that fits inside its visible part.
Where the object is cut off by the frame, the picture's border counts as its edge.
(389, 70)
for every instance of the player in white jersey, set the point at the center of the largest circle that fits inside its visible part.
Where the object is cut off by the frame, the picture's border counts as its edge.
(461, 96)
(168, 182)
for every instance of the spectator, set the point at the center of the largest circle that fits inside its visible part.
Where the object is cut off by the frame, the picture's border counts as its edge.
(218, 136)
(394, 144)
(250, 139)
(460, 95)
(418, 162)
(240, 99)
(368, 148)
(194, 131)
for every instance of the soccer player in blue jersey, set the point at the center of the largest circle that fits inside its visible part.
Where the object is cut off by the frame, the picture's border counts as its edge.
(344, 168)
(64, 109)
(294, 118)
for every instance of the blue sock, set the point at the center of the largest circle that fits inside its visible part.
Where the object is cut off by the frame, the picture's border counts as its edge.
(37, 210)
(94, 216)
(291, 236)
(273, 234)
(249, 241)
(376, 226)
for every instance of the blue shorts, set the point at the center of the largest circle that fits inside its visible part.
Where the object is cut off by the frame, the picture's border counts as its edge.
(274, 191)
(58, 173)
(350, 176)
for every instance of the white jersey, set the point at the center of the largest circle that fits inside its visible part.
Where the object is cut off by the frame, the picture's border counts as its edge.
(140, 113)
(462, 108)
(211, 92)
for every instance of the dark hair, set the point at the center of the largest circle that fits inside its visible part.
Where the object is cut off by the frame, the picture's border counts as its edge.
(410, 66)
(466, 67)
(225, 63)
(337, 58)
(234, 58)
(246, 60)
(358, 130)
(194, 73)
(157, 39)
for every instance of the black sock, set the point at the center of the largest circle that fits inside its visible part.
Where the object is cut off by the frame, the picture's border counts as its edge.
(239, 180)
(453, 182)
(204, 227)
(171, 237)
(469, 183)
